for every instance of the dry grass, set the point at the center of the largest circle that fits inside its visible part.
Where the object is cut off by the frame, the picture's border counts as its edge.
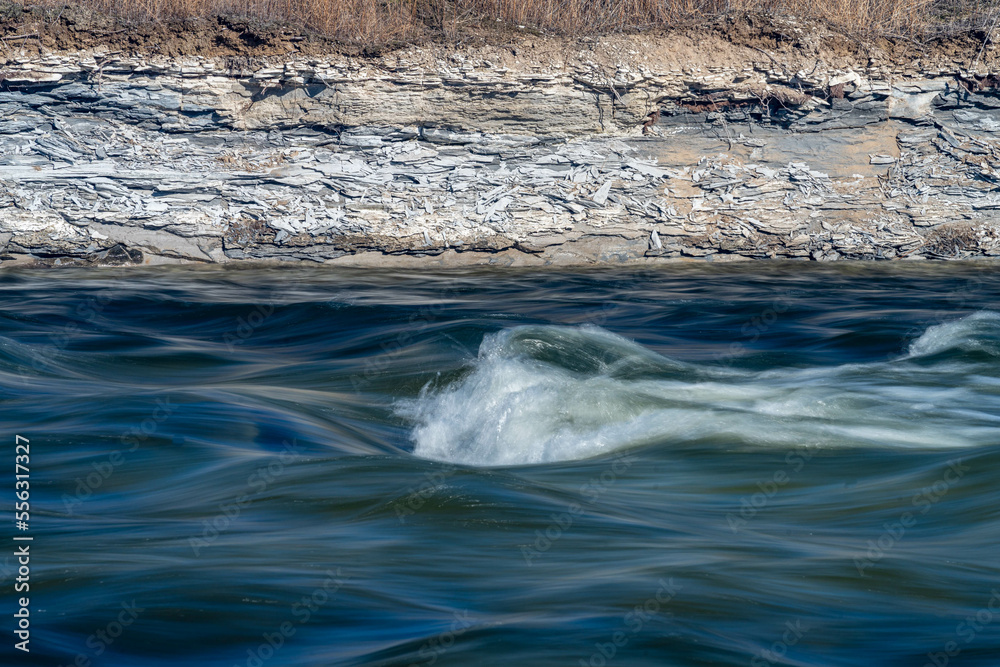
(368, 22)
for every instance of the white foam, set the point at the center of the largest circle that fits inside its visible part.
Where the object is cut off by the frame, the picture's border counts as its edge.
(978, 331)
(541, 394)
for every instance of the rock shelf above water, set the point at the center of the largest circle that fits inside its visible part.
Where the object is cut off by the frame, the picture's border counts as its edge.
(448, 156)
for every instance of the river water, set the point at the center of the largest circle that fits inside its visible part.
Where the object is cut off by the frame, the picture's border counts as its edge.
(764, 464)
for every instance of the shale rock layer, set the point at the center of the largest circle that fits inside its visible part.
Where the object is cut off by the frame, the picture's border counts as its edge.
(568, 155)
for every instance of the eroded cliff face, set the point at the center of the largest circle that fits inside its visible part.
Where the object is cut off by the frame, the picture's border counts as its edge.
(614, 150)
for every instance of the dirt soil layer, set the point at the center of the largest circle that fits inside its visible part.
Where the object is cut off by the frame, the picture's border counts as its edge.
(730, 142)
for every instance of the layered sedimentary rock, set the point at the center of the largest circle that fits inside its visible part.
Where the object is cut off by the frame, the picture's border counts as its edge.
(494, 156)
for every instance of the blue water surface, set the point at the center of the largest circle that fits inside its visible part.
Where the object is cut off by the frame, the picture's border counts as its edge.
(765, 464)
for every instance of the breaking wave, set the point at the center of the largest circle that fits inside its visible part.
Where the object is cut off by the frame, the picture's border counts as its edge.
(539, 394)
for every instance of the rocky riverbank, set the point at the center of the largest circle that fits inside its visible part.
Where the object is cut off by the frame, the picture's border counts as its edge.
(625, 149)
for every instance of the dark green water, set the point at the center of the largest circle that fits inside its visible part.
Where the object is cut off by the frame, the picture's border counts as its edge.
(775, 464)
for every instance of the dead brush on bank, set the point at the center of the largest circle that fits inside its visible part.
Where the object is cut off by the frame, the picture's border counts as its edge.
(953, 240)
(382, 22)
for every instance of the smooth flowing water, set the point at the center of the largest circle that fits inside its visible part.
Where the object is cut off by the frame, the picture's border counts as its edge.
(766, 464)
